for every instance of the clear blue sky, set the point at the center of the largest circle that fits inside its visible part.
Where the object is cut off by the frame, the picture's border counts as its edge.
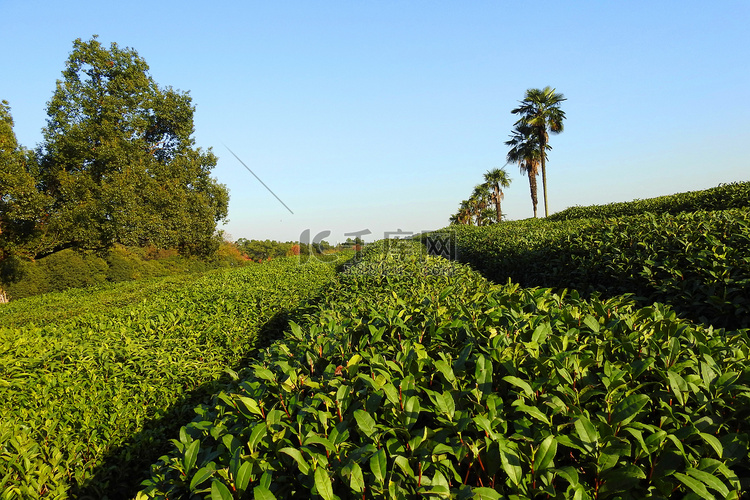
(383, 115)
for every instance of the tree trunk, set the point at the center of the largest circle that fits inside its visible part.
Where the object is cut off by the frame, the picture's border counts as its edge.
(3, 296)
(497, 204)
(543, 146)
(533, 188)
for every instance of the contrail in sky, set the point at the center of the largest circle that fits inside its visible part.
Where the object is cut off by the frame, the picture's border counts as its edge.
(264, 184)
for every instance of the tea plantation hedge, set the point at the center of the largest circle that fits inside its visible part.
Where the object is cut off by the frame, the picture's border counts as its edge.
(418, 377)
(723, 197)
(93, 383)
(698, 262)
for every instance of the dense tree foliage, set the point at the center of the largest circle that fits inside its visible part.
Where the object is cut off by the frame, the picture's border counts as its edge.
(260, 250)
(117, 165)
(119, 162)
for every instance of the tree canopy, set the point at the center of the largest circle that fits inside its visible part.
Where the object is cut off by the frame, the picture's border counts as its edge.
(118, 160)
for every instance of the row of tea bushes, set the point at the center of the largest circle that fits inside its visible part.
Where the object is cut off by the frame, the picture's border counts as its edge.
(89, 400)
(698, 262)
(418, 377)
(723, 197)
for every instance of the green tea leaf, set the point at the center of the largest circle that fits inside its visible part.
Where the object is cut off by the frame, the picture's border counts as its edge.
(446, 370)
(201, 476)
(219, 491)
(243, 477)
(522, 384)
(323, 484)
(263, 493)
(709, 480)
(412, 409)
(191, 454)
(545, 454)
(378, 465)
(587, 433)
(357, 482)
(533, 411)
(695, 485)
(511, 464)
(365, 423)
(592, 323)
(569, 474)
(714, 442)
(256, 435)
(403, 464)
(483, 374)
(541, 332)
(297, 456)
(678, 385)
(626, 410)
(485, 494)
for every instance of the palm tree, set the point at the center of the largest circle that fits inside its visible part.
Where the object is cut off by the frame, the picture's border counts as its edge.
(524, 151)
(540, 109)
(478, 202)
(496, 179)
(463, 216)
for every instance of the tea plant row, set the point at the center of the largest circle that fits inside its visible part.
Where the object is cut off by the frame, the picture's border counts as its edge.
(418, 377)
(88, 399)
(699, 262)
(724, 197)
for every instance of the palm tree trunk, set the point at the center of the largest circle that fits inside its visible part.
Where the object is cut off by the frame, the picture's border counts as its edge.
(532, 188)
(543, 146)
(497, 204)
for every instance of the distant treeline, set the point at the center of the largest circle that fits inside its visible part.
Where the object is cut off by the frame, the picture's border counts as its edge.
(260, 250)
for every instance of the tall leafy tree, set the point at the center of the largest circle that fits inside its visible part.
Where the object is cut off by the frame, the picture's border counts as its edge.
(497, 179)
(119, 160)
(525, 152)
(540, 110)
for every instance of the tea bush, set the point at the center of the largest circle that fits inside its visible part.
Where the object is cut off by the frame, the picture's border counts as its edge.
(89, 397)
(698, 262)
(723, 197)
(417, 377)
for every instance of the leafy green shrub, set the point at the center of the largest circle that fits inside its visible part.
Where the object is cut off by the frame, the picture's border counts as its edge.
(24, 279)
(60, 271)
(68, 269)
(724, 197)
(417, 377)
(123, 265)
